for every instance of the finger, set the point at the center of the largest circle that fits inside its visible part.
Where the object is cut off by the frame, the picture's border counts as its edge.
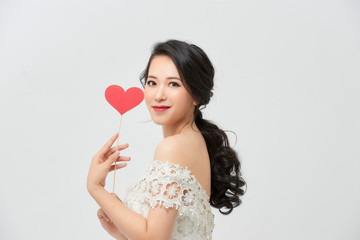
(122, 146)
(100, 212)
(117, 166)
(115, 148)
(108, 226)
(114, 157)
(102, 215)
(107, 145)
(123, 158)
(104, 219)
(111, 151)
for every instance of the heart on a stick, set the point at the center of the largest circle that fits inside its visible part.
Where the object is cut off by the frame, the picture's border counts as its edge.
(123, 101)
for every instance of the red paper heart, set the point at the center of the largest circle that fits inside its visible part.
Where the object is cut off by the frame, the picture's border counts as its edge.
(123, 101)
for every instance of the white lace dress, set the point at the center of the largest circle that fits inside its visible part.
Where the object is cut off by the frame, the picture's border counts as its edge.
(171, 185)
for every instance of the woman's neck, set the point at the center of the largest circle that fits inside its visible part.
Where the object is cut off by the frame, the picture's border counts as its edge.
(183, 127)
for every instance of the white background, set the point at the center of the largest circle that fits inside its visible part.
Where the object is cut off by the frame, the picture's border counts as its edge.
(287, 83)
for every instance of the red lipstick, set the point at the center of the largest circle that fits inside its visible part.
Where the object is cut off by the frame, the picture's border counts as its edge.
(160, 108)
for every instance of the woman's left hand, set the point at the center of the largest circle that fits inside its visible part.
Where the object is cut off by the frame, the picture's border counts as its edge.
(102, 163)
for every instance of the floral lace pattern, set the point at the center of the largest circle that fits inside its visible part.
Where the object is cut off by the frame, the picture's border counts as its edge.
(170, 185)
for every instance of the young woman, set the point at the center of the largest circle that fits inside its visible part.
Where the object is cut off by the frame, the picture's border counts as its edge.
(193, 167)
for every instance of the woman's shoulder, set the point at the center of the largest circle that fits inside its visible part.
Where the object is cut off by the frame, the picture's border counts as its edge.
(177, 149)
(190, 153)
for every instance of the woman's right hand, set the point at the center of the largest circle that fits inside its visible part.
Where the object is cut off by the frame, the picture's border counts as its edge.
(108, 225)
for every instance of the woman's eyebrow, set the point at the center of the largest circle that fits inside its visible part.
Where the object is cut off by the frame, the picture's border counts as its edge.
(151, 76)
(174, 78)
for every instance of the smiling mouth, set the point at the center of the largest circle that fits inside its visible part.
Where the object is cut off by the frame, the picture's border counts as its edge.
(160, 108)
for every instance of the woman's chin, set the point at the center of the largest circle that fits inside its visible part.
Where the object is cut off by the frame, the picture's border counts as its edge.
(158, 122)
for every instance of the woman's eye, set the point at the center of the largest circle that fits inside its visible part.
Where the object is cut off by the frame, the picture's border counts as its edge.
(150, 83)
(175, 84)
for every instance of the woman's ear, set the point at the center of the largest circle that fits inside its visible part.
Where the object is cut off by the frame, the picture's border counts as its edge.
(194, 103)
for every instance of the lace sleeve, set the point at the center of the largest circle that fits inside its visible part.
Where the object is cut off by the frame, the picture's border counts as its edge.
(169, 185)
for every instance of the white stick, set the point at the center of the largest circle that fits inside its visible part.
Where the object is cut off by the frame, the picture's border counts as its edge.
(117, 143)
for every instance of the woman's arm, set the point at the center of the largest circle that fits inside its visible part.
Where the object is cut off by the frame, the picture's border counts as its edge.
(109, 226)
(158, 226)
(160, 221)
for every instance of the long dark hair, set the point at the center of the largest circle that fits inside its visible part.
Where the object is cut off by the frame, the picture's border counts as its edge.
(197, 74)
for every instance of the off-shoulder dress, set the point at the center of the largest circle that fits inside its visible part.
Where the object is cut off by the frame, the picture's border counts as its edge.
(171, 185)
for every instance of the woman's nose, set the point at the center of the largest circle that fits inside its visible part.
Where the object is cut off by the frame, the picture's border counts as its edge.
(160, 94)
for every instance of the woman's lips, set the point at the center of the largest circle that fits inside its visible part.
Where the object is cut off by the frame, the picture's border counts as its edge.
(160, 108)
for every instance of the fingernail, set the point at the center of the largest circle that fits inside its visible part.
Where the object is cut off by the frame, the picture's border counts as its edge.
(117, 153)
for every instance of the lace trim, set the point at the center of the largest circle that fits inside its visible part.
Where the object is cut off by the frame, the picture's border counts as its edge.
(171, 185)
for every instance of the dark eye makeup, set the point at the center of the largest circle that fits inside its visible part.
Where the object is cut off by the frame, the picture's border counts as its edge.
(152, 83)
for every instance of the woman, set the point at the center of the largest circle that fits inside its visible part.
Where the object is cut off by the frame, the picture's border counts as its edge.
(193, 167)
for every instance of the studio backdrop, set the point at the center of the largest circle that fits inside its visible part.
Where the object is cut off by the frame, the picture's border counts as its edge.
(286, 83)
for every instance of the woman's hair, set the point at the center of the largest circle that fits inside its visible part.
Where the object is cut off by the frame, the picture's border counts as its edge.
(197, 74)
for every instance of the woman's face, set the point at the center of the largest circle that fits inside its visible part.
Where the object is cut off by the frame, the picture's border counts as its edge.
(166, 98)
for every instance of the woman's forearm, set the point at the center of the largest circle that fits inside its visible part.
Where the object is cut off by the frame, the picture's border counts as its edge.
(131, 224)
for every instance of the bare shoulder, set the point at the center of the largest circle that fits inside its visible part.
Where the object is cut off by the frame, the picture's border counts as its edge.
(187, 151)
(171, 149)
(184, 150)
(178, 149)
